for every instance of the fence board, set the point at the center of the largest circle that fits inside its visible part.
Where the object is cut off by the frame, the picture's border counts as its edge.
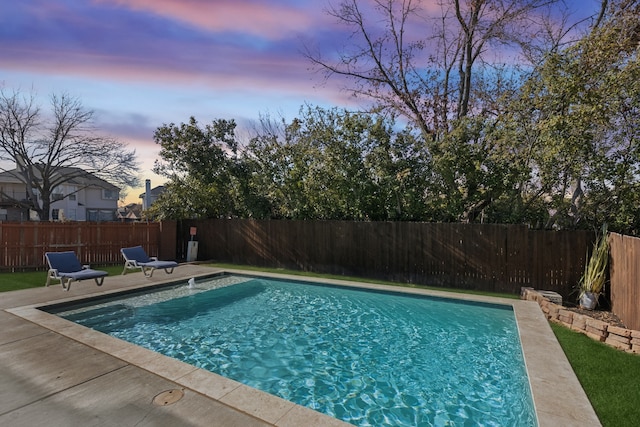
(624, 272)
(96, 243)
(487, 257)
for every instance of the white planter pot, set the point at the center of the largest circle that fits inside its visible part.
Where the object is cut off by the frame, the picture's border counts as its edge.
(588, 300)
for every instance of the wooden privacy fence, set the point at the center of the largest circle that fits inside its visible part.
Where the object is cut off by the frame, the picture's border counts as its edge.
(500, 258)
(97, 243)
(625, 275)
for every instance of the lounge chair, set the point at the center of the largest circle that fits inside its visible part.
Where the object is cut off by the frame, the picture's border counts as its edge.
(65, 267)
(137, 258)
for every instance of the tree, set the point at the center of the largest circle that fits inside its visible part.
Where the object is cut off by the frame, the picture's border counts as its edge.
(51, 150)
(579, 111)
(434, 77)
(447, 70)
(199, 162)
(335, 164)
(185, 198)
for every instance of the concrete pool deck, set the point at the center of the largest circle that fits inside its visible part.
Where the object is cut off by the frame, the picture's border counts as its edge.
(56, 373)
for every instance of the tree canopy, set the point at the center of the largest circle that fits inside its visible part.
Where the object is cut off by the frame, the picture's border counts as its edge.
(456, 129)
(198, 160)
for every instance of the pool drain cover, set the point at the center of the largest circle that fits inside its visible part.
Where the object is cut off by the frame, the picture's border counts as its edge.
(168, 397)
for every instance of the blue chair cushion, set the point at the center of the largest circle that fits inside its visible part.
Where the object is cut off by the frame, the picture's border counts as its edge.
(136, 253)
(159, 264)
(64, 262)
(85, 274)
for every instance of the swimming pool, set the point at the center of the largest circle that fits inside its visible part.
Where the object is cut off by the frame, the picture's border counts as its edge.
(369, 358)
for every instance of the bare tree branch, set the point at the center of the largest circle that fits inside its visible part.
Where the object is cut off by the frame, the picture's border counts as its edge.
(414, 76)
(49, 152)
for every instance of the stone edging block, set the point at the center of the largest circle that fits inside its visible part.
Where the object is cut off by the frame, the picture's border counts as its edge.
(620, 338)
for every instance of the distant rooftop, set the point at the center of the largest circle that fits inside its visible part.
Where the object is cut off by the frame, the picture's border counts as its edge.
(156, 191)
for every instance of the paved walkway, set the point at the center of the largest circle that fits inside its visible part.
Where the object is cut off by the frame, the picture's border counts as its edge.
(56, 373)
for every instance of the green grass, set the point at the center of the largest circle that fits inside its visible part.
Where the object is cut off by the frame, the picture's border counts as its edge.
(610, 377)
(359, 279)
(36, 279)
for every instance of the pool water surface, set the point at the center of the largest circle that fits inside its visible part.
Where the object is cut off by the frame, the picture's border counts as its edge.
(365, 357)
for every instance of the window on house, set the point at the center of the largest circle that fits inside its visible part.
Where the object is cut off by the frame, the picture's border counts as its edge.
(72, 197)
(105, 215)
(109, 195)
(55, 214)
(56, 196)
(101, 215)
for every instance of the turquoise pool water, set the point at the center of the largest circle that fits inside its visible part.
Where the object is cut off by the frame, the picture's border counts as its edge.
(368, 358)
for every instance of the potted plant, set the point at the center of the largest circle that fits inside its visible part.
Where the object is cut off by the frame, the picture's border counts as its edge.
(595, 272)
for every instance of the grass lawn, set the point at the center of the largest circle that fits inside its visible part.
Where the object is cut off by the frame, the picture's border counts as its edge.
(610, 377)
(359, 279)
(36, 279)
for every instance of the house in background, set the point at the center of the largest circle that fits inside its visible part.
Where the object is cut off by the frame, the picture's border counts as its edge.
(150, 195)
(12, 194)
(130, 213)
(85, 197)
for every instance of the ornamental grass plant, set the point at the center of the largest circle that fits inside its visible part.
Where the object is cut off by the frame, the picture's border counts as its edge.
(595, 271)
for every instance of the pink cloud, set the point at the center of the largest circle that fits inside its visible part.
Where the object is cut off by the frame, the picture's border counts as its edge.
(261, 72)
(265, 19)
(219, 49)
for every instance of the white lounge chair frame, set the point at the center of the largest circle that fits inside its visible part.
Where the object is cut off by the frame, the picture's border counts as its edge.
(136, 258)
(65, 267)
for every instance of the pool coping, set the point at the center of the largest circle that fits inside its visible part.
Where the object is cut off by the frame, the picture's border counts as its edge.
(558, 396)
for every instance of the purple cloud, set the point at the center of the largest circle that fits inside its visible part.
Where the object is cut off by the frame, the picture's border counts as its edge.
(160, 40)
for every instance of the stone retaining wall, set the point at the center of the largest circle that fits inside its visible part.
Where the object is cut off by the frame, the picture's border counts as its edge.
(621, 338)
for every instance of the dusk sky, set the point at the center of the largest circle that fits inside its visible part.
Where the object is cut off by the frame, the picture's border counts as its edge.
(139, 64)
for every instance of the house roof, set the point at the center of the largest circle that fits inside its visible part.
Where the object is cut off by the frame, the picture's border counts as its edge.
(131, 211)
(80, 177)
(10, 177)
(87, 179)
(156, 191)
